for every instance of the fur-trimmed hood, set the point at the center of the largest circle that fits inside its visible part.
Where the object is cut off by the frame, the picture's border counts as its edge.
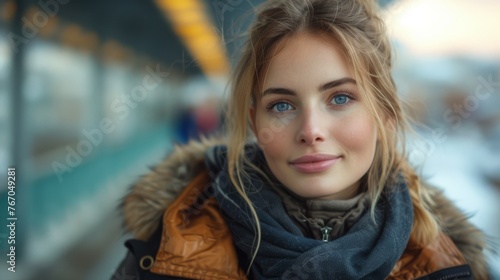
(142, 208)
(144, 205)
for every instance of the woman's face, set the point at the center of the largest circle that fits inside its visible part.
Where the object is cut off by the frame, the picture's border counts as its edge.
(316, 132)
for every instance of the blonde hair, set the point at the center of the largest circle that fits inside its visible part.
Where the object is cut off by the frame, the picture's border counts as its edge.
(360, 33)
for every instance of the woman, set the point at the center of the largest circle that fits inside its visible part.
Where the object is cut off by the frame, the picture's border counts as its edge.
(311, 181)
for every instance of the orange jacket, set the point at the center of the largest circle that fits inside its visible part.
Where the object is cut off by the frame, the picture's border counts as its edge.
(197, 244)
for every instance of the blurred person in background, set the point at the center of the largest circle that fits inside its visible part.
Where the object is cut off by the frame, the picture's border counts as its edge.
(186, 127)
(312, 178)
(207, 117)
(196, 121)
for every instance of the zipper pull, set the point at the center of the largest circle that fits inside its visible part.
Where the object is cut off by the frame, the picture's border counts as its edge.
(326, 232)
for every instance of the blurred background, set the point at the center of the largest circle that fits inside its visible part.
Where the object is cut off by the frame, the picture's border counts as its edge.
(93, 93)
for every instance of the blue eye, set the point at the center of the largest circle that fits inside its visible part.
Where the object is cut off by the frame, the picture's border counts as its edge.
(340, 99)
(281, 107)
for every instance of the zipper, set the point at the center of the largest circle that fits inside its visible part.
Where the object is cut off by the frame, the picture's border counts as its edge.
(455, 276)
(326, 232)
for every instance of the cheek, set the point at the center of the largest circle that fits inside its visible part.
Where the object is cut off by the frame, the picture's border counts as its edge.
(359, 135)
(272, 135)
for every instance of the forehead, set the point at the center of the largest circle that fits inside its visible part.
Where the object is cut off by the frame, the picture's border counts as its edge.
(305, 59)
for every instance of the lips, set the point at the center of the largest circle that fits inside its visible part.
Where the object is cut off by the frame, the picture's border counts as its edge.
(314, 163)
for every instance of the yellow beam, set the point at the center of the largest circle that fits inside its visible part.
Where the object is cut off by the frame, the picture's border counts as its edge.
(191, 24)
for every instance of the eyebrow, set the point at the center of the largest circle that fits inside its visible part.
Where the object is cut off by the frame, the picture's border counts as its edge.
(323, 87)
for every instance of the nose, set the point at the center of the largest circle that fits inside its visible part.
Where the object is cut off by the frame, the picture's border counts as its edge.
(312, 129)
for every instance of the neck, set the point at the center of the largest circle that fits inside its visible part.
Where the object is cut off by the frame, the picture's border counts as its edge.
(347, 193)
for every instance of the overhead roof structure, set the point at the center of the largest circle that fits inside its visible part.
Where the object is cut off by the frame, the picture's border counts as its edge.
(190, 36)
(186, 35)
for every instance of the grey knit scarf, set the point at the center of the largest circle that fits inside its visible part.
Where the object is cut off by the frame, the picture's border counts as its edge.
(368, 250)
